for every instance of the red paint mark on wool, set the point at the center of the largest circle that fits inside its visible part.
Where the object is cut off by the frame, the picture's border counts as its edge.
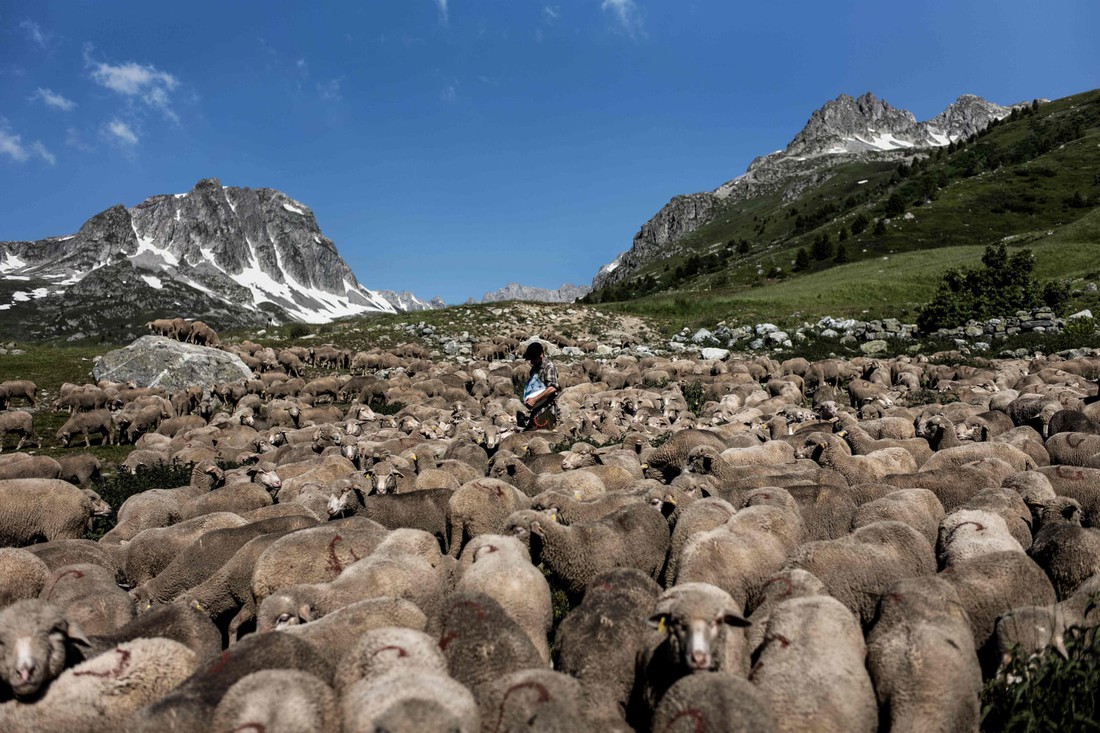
(693, 714)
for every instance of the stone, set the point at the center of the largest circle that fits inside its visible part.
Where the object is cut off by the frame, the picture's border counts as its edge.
(1090, 287)
(1086, 313)
(829, 333)
(877, 346)
(156, 361)
(756, 344)
(981, 346)
(450, 348)
(973, 331)
(572, 351)
(716, 354)
(763, 329)
(778, 337)
(703, 335)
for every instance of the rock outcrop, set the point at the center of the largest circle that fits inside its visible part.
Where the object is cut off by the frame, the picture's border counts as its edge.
(567, 293)
(156, 361)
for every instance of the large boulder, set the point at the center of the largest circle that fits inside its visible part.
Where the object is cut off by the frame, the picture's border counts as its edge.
(156, 361)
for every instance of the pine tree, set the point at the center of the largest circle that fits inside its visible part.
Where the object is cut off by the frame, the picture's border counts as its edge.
(841, 254)
(802, 260)
(880, 228)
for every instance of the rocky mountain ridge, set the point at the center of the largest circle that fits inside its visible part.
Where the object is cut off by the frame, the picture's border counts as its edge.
(231, 256)
(567, 293)
(843, 130)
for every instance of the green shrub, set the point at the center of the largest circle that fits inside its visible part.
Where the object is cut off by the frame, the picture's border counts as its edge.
(1002, 285)
(117, 488)
(1080, 328)
(694, 396)
(1050, 693)
(298, 330)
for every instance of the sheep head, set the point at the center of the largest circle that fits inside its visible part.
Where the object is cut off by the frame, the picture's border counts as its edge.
(696, 617)
(35, 640)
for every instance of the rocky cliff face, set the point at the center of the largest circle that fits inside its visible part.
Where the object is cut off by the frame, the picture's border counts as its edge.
(567, 293)
(231, 256)
(842, 130)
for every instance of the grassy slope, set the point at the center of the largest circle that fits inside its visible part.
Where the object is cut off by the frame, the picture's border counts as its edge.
(1015, 203)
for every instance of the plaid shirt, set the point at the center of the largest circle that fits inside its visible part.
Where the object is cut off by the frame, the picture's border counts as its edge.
(548, 375)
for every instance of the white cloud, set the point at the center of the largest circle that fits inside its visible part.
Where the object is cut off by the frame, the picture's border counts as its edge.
(137, 81)
(40, 150)
(53, 99)
(551, 12)
(121, 132)
(444, 16)
(35, 33)
(628, 18)
(449, 93)
(329, 90)
(12, 146)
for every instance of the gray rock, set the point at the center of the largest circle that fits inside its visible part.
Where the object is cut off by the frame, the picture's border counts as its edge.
(877, 346)
(829, 333)
(756, 344)
(719, 354)
(1080, 314)
(973, 331)
(702, 336)
(1090, 287)
(156, 361)
(450, 348)
(778, 337)
(763, 329)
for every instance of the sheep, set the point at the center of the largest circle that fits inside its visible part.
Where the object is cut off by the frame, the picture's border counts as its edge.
(386, 650)
(408, 577)
(480, 507)
(203, 557)
(957, 456)
(784, 585)
(1010, 506)
(177, 622)
(712, 701)
(161, 507)
(151, 550)
(741, 554)
(1031, 630)
(102, 693)
(408, 702)
(670, 459)
(37, 643)
(534, 700)
(500, 567)
(313, 555)
(810, 670)
(1068, 552)
(278, 701)
(858, 567)
(33, 510)
(88, 595)
(1070, 449)
(20, 423)
(919, 508)
(569, 510)
(59, 553)
(861, 443)
(331, 633)
(702, 515)
(86, 423)
(79, 469)
(954, 486)
(922, 658)
(634, 536)
(481, 643)
(603, 655)
(191, 705)
(699, 628)
(967, 533)
(22, 575)
(22, 388)
(827, 511)
(991, 584)
(580, 483)
(826, 450)
(28, 466)
(236, 498)
(1082, 484)
(426, 510)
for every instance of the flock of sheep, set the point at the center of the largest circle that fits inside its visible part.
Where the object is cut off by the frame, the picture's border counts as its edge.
(845, 546)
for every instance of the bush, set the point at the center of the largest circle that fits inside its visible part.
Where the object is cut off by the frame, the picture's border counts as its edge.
(298, 330)
(122, 485)
(1050, 693)
(694, 396)
(1002, 285)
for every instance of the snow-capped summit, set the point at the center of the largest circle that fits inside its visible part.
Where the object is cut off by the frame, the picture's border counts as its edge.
(233, 256)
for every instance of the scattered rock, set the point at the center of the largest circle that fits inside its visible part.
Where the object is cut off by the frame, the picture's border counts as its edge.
(718, 354)
(1080, 314)
(877, 346)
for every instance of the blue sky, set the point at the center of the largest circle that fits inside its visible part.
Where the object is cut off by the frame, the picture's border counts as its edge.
(451, 146)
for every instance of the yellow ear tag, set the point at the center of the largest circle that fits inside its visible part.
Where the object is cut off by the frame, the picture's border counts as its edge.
(661, 625)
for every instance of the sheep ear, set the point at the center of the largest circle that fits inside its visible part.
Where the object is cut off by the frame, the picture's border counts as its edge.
(1069, 511)
(77, 636)
(731, 618)
(658, 621)
(305, 612)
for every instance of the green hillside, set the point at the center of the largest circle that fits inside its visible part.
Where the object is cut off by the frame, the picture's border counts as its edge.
(1031, 180)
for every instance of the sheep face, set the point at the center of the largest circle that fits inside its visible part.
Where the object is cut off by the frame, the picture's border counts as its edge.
(35, 640)
(338, 503)
(696, 641)
(100, 508)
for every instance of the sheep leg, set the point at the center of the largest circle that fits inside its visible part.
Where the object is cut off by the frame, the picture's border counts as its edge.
(246, 614)
(87, 440)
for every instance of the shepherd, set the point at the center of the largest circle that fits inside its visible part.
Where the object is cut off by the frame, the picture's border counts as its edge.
(541, 391)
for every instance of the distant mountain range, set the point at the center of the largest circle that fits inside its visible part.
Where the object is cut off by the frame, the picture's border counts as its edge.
(844, 130)
(514, 291)
(231, 256)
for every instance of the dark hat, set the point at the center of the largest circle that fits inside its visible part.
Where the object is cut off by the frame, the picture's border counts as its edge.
(534, 350)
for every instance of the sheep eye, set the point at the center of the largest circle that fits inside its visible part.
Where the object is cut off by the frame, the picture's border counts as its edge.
(284, 617)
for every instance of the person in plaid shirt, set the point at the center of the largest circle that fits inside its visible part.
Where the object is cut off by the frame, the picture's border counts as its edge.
(540, 394)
